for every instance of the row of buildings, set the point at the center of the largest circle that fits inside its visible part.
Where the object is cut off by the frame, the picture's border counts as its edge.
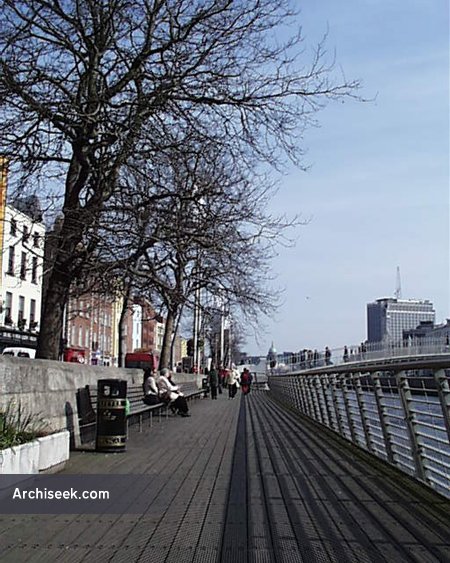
(391, 321)
(394, 320)
(91, 327)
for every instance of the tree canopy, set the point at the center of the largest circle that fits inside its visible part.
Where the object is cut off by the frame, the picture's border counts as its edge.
(91, 89)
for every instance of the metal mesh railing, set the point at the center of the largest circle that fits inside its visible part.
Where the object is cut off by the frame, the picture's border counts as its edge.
(402, 417)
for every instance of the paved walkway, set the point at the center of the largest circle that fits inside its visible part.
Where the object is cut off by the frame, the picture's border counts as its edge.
(242, 481)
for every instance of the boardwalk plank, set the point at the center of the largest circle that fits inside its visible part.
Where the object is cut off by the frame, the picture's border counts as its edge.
(241, 481)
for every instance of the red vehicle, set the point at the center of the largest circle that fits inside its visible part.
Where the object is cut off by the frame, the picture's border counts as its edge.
(141, 360)
(74, 354)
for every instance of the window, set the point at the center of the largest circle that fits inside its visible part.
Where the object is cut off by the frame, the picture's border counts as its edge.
(34, 268)
(23, 266)
(80, 336)
(13, 228)
(11, 255)
(21, 308)
(8, 308)
(25, 234)
(32, 312)
(36, 240)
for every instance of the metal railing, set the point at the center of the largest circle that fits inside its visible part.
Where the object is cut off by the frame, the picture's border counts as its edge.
(369, 351)
(398, 411)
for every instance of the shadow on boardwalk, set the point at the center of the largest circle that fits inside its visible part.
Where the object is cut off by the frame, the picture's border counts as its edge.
(242, 481)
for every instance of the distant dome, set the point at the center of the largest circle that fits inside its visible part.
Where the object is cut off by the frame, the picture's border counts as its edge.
(272, 351)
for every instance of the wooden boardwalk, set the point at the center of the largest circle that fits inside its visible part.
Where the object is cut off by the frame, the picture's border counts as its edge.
(242, 481)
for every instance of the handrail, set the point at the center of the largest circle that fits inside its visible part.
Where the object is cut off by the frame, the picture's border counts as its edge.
(396, 408)
(364, 352)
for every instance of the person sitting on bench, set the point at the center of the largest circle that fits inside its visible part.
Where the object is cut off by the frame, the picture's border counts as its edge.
(171, 394)
(151, 394)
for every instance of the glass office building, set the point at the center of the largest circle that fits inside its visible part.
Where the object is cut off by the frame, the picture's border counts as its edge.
(387, 318)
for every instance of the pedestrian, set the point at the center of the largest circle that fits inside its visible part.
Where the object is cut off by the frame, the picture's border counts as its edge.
(316, 357)
(150, 389)
(233, 383)
(309, 355)
(213, 381)
(246, 381)
(171, 394)
(345, 355)
(303, 359)
(363, 350)
(327, 356)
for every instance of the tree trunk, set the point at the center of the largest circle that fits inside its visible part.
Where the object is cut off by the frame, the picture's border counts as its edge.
(62, 259)
(175, 332)
(165, 350)
(120, 359)
(52, 316)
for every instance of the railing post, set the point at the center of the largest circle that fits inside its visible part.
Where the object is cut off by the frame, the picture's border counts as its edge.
(336, 406)
(348, 410)
(317, 387)
(316, 414)
(289, 391)
(293, 391)
(301, 402)
(363, 411)
(304, 393)
(411, 422)
(384, 418)
(311, 398)
(326, 384)
(296, 393)
(444, 397)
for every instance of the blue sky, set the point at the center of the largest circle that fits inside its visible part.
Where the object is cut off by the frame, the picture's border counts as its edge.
(377, 192)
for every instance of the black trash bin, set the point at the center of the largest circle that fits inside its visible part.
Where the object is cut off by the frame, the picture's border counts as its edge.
(111, 415)
(205, 386)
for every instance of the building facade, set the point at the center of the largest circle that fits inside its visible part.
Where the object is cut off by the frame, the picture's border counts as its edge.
(430, 332)
(92, 326)
(388, 318)
(21, 277)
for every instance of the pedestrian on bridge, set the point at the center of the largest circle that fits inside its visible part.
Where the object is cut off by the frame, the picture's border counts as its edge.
(327, 356)
(345, 356)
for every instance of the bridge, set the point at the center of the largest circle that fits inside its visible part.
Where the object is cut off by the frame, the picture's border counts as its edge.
(326, 466)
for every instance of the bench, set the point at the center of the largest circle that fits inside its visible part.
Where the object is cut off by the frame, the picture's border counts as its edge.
(138, 410)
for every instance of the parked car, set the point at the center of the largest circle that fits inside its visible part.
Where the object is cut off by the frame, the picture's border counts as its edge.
(19, 352)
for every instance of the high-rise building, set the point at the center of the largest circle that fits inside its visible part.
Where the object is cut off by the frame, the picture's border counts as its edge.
(387, 318)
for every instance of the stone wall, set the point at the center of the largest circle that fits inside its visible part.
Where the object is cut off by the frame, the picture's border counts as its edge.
(48, 389)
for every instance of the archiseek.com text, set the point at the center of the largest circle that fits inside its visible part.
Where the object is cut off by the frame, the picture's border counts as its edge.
(50, 494)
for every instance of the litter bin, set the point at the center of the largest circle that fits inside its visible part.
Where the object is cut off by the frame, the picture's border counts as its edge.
(111, 415)
(205, 386)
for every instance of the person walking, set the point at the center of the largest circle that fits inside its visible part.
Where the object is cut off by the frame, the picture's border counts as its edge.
(345, 356)
(246, 381)
(327, 356)
(233, 382)
(213, 381)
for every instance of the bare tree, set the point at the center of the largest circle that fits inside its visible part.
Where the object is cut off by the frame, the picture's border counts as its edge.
(212, 233)
(87, 84)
